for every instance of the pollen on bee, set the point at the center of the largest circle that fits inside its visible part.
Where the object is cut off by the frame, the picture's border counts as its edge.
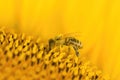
(23, 57)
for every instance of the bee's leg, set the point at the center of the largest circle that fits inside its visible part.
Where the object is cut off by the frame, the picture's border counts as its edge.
(80, 46)
(76, 50)
(51, 44)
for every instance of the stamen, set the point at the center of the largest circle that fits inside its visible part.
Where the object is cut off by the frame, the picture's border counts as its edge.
(23, 57)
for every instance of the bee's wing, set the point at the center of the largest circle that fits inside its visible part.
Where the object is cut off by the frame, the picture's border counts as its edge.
(74, 34)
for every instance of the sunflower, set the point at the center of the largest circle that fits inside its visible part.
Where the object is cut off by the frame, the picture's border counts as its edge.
(96, 21)
(56, 59)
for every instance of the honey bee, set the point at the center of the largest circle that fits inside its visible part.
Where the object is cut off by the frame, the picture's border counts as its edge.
(67, 40)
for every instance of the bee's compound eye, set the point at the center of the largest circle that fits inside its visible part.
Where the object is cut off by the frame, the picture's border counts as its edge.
(51, 41)
(51, 44)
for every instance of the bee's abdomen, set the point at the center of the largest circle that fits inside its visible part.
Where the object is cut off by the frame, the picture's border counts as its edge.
(72, 41)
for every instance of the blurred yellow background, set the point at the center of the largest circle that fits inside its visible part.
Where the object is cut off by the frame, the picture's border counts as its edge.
(98, 21)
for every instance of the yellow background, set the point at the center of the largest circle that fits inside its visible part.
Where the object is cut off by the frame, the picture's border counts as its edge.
(98, 21)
